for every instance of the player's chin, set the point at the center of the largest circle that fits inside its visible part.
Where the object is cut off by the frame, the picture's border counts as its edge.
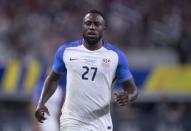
(92, 37)
(92, 40)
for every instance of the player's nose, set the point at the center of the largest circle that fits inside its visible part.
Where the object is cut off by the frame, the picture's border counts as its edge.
(92, 27)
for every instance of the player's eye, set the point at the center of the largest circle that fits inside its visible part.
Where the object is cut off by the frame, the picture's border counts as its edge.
(88, 23)
(97, 23)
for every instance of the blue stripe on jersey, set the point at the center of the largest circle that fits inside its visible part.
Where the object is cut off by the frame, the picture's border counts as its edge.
(123, 72)
(59, 66)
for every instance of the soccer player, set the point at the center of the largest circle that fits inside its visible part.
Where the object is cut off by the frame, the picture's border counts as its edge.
(54, 105)
(92, 64)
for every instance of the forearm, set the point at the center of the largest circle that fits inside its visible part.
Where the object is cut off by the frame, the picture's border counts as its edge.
(49, 88)
(131, 89)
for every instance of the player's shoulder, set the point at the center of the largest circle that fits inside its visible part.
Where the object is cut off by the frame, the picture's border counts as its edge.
(65, 45)
(112, 47)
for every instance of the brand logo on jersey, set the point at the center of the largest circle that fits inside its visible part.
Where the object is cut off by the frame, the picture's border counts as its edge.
(71, 59)
(106, 62)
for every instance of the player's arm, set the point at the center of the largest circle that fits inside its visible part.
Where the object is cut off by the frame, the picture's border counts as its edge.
(50, 84)
(129, 94)
(33, 104)
(125, 77)
(49, 88)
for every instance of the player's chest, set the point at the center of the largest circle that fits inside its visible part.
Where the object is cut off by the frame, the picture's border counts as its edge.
(99, 62)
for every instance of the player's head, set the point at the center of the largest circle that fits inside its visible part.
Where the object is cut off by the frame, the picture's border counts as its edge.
(93, 26)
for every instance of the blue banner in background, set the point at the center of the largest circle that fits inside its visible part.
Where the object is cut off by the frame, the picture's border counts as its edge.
(140, 76)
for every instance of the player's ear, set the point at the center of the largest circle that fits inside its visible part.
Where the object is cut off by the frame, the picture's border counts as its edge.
(104, 26)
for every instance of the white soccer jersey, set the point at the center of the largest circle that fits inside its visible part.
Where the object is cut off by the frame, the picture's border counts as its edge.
(89, 78)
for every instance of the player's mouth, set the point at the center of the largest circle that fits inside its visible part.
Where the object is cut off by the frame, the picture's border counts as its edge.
(91, 34)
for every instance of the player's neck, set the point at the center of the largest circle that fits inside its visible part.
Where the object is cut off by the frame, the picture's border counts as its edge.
(93, 46)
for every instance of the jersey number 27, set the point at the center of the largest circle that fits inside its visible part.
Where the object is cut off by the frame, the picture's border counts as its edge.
(87, 70)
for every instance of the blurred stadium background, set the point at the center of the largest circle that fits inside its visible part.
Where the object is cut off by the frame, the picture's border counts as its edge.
(155, 35)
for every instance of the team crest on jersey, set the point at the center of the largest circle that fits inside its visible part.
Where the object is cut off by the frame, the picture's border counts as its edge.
(106, 63)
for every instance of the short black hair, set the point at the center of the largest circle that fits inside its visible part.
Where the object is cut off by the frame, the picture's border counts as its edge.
(96, 12)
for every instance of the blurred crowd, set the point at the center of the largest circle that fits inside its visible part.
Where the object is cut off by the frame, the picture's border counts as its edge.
(150, 32)
(35, 28)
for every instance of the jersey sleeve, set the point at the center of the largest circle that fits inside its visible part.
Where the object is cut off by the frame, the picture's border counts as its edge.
(123, 72)
(58, 65)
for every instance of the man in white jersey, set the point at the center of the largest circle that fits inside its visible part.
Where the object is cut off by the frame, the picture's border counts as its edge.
(92, 64)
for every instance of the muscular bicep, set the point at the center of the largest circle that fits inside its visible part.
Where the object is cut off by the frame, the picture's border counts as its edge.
(59, 65)
(123, 72)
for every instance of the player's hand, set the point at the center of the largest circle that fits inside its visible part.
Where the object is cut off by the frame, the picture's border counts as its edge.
(124, 98)
(40, 113)
(121, 98)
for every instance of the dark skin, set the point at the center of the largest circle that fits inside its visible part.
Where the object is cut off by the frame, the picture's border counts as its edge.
(128, 95)
(49, 88)
(93, 28)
